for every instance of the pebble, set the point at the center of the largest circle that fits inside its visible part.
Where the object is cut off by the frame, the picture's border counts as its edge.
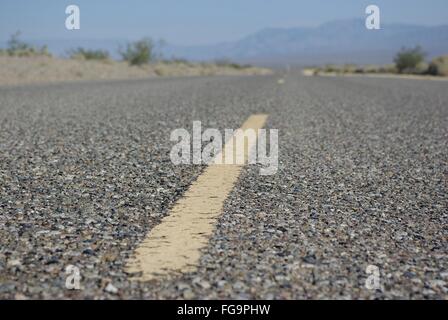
(110, 288)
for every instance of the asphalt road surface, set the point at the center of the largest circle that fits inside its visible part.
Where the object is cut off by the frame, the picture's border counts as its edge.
(85, 175)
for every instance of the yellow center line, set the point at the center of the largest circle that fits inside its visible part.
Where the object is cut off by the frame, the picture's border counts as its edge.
(174, 246)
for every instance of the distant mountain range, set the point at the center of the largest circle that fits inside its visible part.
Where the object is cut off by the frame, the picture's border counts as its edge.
(335, 42)
(346, 41)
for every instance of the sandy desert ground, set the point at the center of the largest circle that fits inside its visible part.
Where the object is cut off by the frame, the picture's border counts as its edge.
(20, 70)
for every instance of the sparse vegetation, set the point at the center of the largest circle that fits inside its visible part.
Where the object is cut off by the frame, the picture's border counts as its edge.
(230, 64)
(354, 69)
(330, 68)
(180, 61)
(439, 66)
(19, 48)
(407, 61)
(41, 67)
(388, 68)
(139, 52)
(349, 68)
(86, 54)
(410, 60)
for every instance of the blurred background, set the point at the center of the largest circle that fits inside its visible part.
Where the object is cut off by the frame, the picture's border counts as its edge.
(252, 31)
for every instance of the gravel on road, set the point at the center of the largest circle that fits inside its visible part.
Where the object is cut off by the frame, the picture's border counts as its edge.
(85, 174)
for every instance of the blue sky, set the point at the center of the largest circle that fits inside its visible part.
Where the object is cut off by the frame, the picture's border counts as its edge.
(197, 21)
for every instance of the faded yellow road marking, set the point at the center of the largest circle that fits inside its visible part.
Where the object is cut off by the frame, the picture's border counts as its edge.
(174, 245)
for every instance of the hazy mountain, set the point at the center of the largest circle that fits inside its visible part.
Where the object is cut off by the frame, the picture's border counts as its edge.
(339, 42)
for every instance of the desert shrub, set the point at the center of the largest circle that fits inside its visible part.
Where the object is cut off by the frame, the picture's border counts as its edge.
(86, 54)
(223, 62)
(331, 68)
(371, 69)
(349, 68)
(15, 44)
(246, 66)
(439, 66)
(421, 68)
(177, 60)
(18, 48)
(408, 60)
(388, 68)
(230, 64)
(139, 52)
